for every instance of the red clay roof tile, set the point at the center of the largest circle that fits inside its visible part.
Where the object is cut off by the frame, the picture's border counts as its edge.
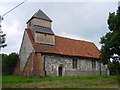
(66, 46)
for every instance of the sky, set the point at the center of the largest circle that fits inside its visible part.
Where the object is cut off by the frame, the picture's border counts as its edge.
(81, 20)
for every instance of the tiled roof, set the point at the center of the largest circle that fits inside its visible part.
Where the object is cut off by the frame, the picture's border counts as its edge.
(66, 46)
(43, 29)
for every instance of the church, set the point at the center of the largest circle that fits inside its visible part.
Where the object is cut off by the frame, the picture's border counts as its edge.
(43, 53)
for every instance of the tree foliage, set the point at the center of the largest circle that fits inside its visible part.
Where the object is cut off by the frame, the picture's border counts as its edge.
(111, 41)
(9, 63)
(114, 68)
(2, 40)
(2, 36)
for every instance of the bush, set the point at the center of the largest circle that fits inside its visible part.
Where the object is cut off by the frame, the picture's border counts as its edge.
(9, 63)
(114, 68)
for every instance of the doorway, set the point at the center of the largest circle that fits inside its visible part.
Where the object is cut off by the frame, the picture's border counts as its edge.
(60, 71)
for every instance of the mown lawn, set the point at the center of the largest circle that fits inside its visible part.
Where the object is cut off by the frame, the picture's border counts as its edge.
(60, 82)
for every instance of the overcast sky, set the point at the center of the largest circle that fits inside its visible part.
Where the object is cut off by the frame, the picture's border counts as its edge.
(77, 20)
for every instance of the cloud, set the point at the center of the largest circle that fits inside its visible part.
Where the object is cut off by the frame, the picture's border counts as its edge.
(62, 0)
(13, 36)
(72, 36)
(83, 20)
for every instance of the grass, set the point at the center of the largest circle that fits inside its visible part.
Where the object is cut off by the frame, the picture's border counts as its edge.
(60, 82)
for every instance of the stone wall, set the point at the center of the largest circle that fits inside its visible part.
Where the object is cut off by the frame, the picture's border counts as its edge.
(84, 66)
(25, 50)
(28, 66)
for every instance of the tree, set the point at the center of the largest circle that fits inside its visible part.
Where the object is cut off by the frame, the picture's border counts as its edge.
(9, 63)
(2, 40)
(2, 36)
(111, 41)
(114, 68)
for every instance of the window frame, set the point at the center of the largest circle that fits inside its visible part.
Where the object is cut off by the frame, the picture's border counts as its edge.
(52, 68)
(74, 63)
(93, 64)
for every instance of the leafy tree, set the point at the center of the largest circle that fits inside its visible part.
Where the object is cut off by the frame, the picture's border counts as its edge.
(111, 41)
(2, 36)
(4, 56)
(2, 40)
(9, 63)
(114, 68)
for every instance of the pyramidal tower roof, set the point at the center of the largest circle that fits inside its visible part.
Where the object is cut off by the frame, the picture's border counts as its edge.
(40, 15)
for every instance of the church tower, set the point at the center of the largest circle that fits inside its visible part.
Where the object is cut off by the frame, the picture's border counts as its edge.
(40, 27)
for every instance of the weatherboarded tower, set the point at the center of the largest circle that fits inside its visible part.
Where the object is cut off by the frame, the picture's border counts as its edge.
(44, 53)
(40, 27)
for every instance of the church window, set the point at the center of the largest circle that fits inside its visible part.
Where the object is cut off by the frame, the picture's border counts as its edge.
(93, 64)
(74, 63)
(52, 68)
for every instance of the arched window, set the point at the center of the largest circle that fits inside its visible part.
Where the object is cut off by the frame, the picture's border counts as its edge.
(52, 68)
(60, 71)
(74, 63)
(93, 64)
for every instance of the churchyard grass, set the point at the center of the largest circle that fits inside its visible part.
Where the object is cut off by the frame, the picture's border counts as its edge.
(60, 82)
